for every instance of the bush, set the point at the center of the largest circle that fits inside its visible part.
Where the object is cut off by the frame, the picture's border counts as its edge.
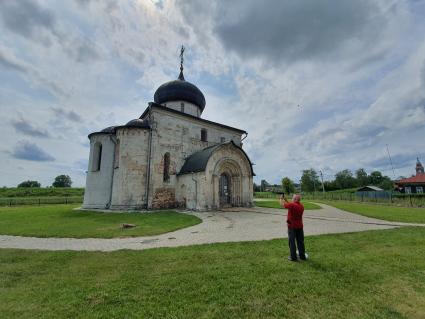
(29, 184)
(62, 181)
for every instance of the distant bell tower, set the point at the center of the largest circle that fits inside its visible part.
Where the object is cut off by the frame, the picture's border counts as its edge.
(419, 168)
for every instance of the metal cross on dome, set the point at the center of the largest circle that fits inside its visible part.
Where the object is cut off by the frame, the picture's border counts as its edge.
(181, 77)
(181, 57)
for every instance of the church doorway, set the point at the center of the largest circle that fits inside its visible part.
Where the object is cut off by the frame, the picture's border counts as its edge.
(224, 190)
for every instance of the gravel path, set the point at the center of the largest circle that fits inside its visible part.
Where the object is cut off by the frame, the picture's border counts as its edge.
(232, 225)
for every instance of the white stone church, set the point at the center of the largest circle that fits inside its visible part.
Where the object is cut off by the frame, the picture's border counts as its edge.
(169, 157)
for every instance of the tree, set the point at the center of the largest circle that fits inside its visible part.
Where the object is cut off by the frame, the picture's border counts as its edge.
(309, 180)
(288, 185)
(29, 184)
(376, 178)
(257, 188)
(62, 181)
(361, 177)
(263, 185)
(330, 186)
(344, 179)
(387, 183)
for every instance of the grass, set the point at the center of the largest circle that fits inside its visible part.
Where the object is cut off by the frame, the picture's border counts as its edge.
(14, 196)
(265, 194)
(41, 191)
(345, 190)
(63, 221)
(374, 274)
(31, 200)
(276, 204)
(390, 213)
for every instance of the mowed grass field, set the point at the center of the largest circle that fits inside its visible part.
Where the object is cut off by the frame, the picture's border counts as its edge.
(374, 274)
(18, 196)
(274, 203)
(64, 221)
(390, 213)
(25, 192)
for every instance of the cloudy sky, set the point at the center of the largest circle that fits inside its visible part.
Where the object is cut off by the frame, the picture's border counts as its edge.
(323, 84)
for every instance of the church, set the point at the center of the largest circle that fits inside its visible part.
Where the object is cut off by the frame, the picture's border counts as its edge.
(414, 184)
(169, 157)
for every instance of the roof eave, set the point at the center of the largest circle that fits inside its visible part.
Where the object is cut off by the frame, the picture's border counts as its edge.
(99, 133)
(116, 128)
(191, 172)
(167, 109)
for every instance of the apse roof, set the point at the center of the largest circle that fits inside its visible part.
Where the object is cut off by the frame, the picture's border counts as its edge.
(197, 162)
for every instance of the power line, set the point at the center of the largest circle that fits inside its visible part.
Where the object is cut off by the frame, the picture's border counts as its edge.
(391, 161)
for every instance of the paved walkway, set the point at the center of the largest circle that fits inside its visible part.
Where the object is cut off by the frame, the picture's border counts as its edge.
(232, 225)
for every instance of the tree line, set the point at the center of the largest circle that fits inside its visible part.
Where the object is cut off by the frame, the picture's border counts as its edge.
(345, 179)
(60, 181)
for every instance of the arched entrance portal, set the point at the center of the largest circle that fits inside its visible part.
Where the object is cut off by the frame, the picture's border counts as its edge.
(224, 190)
(229, 190)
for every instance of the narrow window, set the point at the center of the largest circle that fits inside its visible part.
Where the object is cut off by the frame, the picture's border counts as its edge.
(97, 157)
(182, 107)
(419, 189)
(166, 176)
(222, 140)
(204, 136)
(117, 155)
(407, 190)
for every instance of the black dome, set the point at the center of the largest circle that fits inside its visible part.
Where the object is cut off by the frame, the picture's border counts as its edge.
(109, 129)
(180, 90)
(138, 123)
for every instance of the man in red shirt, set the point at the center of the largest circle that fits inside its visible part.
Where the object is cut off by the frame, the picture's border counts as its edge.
(295, 226)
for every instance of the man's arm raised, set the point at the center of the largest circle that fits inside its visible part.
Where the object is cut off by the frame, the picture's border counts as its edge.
(283, 200)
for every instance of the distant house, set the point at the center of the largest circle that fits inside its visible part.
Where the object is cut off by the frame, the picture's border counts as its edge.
(274, 188)
(370, 189)
(414, 184)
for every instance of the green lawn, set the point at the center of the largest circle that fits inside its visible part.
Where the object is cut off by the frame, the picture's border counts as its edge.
(374, 274)
(63, 221)
(275, 204)
(390, 213)
(41, 191)
(266, 194)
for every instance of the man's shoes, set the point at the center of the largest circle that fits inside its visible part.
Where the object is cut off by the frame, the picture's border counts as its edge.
(292, 259)
(305, 257)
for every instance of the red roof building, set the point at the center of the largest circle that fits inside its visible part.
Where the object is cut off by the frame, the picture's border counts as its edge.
(414, 184)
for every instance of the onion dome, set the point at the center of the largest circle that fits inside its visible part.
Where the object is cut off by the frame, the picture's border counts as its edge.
(180, 90)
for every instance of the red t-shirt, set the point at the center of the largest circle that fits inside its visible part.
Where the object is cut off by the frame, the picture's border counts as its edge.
(295, 214)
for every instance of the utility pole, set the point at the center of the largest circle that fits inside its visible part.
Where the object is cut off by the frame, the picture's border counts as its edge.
(391, 161)
(323, 185)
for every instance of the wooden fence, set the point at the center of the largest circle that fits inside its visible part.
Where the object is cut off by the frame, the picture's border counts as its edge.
(387, 197)
(18, 201)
